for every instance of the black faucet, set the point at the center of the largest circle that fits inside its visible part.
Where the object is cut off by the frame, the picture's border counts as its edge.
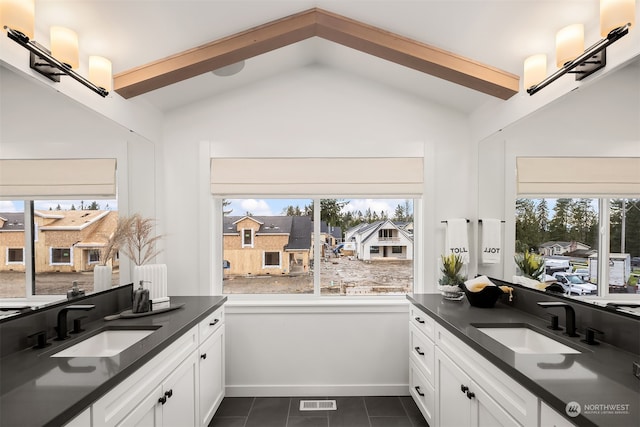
(61, 329)
(569, 315)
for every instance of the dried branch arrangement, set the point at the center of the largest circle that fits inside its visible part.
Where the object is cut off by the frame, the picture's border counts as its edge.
(116, 240)
(140, 242)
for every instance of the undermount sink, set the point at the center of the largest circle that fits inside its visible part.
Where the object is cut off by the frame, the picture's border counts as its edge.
(106, 343)
(524, 340)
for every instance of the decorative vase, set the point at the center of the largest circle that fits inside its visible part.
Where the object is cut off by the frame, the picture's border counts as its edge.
(102, 277)
(154, 277)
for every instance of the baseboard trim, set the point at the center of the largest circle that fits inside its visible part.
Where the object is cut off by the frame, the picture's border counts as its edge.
(316, 390)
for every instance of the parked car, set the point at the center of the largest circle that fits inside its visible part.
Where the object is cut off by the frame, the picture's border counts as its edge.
(574, 285)
(635, 261)
(583, 273)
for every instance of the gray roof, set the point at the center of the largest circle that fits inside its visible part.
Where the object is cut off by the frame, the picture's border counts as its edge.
(299, 228)
(333, 230)
(14, 221)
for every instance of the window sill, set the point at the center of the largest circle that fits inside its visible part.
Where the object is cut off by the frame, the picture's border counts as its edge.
(313, 304)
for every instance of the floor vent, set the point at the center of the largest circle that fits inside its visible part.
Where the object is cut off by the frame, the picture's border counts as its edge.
(318, 405)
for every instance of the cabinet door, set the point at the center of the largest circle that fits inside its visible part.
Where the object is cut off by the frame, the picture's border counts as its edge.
(180, 390)
(147, 413)
(485, 411)
(454, 407)
(551, 418)
(211, 375)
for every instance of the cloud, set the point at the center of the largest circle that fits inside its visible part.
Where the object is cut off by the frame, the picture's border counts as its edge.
(9, 206)
(256, 207)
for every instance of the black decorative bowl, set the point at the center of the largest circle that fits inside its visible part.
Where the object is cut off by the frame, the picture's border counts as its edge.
(486, 298)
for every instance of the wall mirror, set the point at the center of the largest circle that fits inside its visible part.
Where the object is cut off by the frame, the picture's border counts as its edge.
(573, 232)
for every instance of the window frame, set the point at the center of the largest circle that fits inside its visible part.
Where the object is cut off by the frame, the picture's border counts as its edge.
(264, 260)
(215, 244)
(52, 249)
(252, 237)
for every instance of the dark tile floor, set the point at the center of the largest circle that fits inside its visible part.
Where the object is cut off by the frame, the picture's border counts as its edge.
(393, 411)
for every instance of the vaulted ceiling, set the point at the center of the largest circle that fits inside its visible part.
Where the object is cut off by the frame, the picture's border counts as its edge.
(330, 26)
(461, 54)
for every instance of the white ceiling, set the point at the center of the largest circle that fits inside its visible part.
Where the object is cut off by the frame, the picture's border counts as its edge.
(500, 33)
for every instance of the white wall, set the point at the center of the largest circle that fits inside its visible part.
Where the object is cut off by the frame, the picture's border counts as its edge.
(314, 112)
(311, 112)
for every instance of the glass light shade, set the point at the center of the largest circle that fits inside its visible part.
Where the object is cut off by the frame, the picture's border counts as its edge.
(64, 46)
(569, 44)
(100, 72)
(18, 15)
(535, 69)
(616, 13)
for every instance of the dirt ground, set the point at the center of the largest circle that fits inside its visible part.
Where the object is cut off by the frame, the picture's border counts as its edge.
(12, 283)
(337, 276)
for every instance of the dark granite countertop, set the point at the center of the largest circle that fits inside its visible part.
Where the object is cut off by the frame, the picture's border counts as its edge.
(38, 390)
(599, 375)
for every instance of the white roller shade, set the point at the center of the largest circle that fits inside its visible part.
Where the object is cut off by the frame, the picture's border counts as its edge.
(45, 178)
(578, 176)
(317, 176)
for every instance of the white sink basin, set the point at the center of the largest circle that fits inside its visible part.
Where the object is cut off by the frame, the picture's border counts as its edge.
(105, 344)
(525, 340)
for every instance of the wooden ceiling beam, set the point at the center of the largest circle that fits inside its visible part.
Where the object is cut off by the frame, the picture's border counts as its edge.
(217, 54)
(416, 55)
(317, 22)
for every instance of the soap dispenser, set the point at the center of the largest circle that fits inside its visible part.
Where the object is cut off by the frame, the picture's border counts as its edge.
(140, 302)
(75, 291)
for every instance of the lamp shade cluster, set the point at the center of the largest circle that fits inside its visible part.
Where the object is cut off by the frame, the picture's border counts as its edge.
(19, 16)
(614, 15)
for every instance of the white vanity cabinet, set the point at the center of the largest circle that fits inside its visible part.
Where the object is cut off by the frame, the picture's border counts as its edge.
(211, 365)
(136, 399)
(551, 418)
(170, 404)
(182, 386)
(462, 388)
(421, 362)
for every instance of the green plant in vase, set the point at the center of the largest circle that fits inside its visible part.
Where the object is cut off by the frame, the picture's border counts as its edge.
(531, 265)
(451, 270)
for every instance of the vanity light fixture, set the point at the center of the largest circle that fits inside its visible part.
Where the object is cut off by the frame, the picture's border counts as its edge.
(18, 20)
(616, 17)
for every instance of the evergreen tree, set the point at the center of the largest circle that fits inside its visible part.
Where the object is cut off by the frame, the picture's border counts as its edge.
(58, 208)
(542, 216)
(559, 224)
(292, 211)
(582, 222)
(73, 207)
(399, 214)
(94, 206)
(527, 235)
(226, 203)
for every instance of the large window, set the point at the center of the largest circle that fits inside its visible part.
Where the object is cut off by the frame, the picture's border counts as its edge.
(565, 232)
(359, 246)
(65, 245)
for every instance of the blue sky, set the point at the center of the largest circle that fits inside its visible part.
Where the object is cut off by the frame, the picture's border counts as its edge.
(268, 207)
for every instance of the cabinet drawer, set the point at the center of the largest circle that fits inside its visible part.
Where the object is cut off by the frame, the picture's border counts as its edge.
(422, 392)
(211, 324)
(422, 351)
(424, 323)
